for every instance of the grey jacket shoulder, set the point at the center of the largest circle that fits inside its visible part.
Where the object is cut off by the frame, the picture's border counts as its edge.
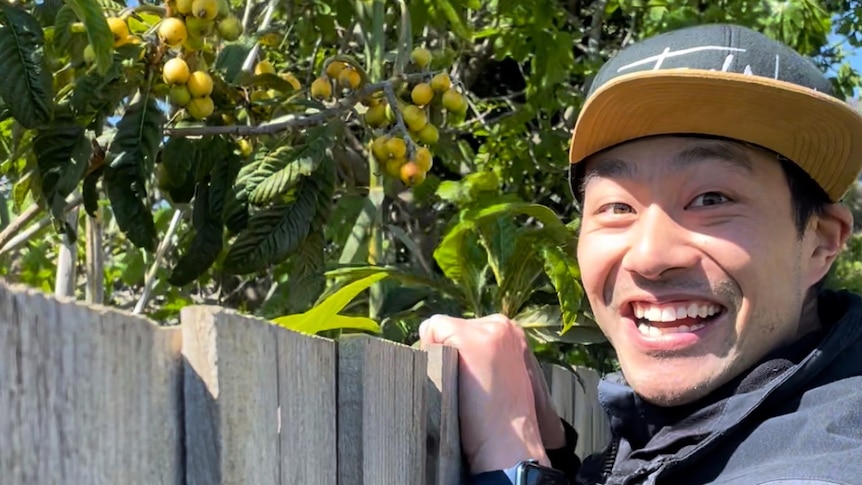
(814, 437)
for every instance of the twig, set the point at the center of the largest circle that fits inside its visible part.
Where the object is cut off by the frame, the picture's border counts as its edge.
(248, 65)
(28, 215)
(95, 288)
(25, 236)
(67, 258)
(596, 30)
(295, 121)
(154, 268)
(246, 16)
(399, 120)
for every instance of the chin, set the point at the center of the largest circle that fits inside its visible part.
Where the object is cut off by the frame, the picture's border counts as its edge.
(669, 385)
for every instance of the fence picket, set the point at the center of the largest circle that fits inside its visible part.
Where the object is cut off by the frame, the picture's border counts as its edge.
(89, 394)
(381, 412)
(444, 462)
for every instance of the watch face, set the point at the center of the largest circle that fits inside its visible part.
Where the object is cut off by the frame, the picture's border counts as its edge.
(537, 475)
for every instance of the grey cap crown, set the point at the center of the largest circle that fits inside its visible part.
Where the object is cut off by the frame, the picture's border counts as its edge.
(717, 47)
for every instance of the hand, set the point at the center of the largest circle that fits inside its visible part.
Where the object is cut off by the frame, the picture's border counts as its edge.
(497, 409)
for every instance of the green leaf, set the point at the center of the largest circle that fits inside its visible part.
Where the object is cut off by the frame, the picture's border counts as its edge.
(282, 169)
(90, 192)
(98, 32)
(272, 234)
(231, 58)
(177, 159)
(132, 153)
(138, 135)
(460, 258)
(62, 156)
(544, 324)
(561, 268)
(206, 244)
(299, 323)
(63, 27)
(128, 195)
(26, 84)
(352, 273)
(317, 319)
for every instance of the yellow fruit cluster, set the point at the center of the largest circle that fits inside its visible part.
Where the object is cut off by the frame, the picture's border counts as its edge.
(189, 90)
(417, 105)
(190, 22)
(391, 152)
(338, 74)
(120, 31)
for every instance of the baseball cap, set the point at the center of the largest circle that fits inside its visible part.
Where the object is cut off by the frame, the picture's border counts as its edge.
(725, 81)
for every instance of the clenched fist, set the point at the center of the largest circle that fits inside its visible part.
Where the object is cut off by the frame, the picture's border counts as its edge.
(497, 405)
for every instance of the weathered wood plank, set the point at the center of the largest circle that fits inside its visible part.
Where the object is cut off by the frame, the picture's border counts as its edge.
(381, 412)
(600, 423)
(307, 403)
(444, 463)
(88, 394)
(231, 398)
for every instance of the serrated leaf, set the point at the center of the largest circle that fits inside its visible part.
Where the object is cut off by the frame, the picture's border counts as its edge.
(62, 155)
(272, 234)
(177, 158)
(138, 135)
(282, 168)
(98, 33)
(206, 244)
(561, 268)
(132, 154)
(317, 319)
(26, 84)
(127, 192)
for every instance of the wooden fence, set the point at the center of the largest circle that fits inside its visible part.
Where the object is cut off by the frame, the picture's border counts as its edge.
(90, 395)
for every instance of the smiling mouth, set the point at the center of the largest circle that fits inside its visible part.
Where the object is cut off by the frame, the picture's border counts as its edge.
(655, 320)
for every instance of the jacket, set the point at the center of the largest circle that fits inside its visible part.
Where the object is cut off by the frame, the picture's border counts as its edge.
(794, 418)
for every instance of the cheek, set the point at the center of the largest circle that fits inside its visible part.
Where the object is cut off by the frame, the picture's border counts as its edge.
(598, 256)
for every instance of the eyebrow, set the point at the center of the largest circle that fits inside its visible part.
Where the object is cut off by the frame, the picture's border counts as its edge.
(730, 154)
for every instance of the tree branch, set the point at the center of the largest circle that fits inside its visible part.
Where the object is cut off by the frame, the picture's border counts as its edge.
(67, 258)
(26, 217)
(288, 122)
(164, 246)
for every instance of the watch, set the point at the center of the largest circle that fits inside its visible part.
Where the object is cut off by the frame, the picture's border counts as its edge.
(529, 472)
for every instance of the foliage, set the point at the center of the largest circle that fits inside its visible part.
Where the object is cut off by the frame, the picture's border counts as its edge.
(230, 154)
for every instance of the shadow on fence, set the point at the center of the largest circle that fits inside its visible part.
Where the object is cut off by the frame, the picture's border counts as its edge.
(92, 395)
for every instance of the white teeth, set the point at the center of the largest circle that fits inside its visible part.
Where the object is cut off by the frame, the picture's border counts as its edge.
(651, 331)
(703, 311)
(639, 311)
(681, 313)
(652, 314)
(692, 310)
(668, 315)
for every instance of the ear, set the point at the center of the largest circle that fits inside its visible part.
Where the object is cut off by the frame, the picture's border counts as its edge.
(829, 232)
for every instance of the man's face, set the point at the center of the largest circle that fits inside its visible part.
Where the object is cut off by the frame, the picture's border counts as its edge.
(691, 261)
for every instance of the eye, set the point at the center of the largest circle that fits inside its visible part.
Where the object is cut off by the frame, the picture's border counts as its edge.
(616, 208)
(709, 198)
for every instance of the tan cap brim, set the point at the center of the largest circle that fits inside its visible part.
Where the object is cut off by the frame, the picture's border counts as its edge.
(817, 131)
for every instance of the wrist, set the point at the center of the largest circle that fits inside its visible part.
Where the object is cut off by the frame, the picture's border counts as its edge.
(519, 442)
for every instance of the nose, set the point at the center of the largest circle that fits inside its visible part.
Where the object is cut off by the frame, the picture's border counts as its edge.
(658, 245)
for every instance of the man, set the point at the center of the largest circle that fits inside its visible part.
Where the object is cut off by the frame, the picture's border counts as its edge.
(708, 164)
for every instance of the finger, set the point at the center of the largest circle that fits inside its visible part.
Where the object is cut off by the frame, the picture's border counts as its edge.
(437, 330)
